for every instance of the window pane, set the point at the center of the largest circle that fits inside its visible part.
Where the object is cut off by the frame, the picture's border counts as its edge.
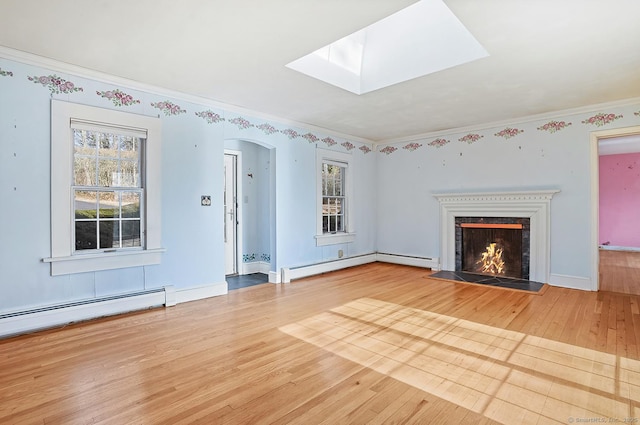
(85, 204)
(109, 234)
(131, 233)
(86, 235)
(332, 180)
(84, 142)
(129, 173)
(129, 147)
(108, 172)
(130, 205)
(109, 205)
(332, 224)
(84, 170)
(107, 145)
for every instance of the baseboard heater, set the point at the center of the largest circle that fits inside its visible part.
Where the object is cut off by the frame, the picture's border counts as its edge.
(289, 274)
(432, 263)
(38, 318)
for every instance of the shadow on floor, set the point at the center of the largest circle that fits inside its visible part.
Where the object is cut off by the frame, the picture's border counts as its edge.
(243, 281)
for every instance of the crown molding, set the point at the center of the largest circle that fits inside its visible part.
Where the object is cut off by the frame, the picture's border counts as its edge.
(67, 68)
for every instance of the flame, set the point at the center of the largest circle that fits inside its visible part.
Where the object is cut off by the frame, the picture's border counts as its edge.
(491, 260)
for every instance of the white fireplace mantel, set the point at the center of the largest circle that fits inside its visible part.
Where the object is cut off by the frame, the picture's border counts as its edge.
(534, 205)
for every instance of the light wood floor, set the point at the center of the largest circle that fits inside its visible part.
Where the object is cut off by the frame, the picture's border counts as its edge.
(374, 344)
(620, 271)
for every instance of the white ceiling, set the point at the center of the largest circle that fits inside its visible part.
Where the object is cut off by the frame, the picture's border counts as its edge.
(545, 55)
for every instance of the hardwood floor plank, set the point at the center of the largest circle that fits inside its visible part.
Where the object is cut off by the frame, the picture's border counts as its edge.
(620, 271)
(374, 344)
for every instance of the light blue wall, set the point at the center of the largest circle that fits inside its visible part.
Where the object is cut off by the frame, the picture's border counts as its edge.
(192, 165)
(408, 214)
(393, 207)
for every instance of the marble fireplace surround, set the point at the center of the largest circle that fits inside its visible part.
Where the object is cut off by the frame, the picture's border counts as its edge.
(535, 205)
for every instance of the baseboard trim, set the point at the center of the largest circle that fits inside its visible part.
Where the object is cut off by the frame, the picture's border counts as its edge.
(275, 277)
(571, 282)
(255, 267)
(201, 292)
(618, 248)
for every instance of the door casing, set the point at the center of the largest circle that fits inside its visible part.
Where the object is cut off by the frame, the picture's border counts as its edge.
(233, 251)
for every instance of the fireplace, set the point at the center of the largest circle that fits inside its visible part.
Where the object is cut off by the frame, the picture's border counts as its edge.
(497, 246)
(507, 207)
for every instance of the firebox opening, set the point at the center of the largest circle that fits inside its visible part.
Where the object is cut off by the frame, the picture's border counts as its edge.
(493, 246)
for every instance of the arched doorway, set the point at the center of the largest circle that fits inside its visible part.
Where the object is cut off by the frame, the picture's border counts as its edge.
(250, 208)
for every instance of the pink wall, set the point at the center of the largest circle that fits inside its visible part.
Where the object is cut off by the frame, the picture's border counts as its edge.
(620, 200)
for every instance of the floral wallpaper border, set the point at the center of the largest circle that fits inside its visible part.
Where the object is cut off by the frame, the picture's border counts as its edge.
(554, 126)
(169, 108)
(118, 97)
(58, 85)
(292, 134)
(599, 120)
(412, 146)
(55, 84)
(209, 116)
(249, 258)
(508, 133)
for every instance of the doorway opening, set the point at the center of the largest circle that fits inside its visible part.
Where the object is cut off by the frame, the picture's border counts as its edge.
(615, 164)
(254, 202)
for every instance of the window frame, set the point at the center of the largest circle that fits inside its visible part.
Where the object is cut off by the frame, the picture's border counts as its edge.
(64, 258)
(344, 160)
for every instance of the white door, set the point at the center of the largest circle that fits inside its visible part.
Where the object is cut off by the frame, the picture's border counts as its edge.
(230, 215)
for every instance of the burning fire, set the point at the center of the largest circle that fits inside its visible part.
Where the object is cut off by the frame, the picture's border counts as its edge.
(491, 260)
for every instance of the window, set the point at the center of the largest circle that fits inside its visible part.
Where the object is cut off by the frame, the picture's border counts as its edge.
(105, 189)
(334, 198)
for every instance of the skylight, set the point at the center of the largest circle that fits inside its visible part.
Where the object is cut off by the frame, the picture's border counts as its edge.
(421, 39)
(345, 53)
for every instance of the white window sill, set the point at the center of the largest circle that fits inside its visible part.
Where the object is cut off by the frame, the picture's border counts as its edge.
(334, 238)
(103, 261)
